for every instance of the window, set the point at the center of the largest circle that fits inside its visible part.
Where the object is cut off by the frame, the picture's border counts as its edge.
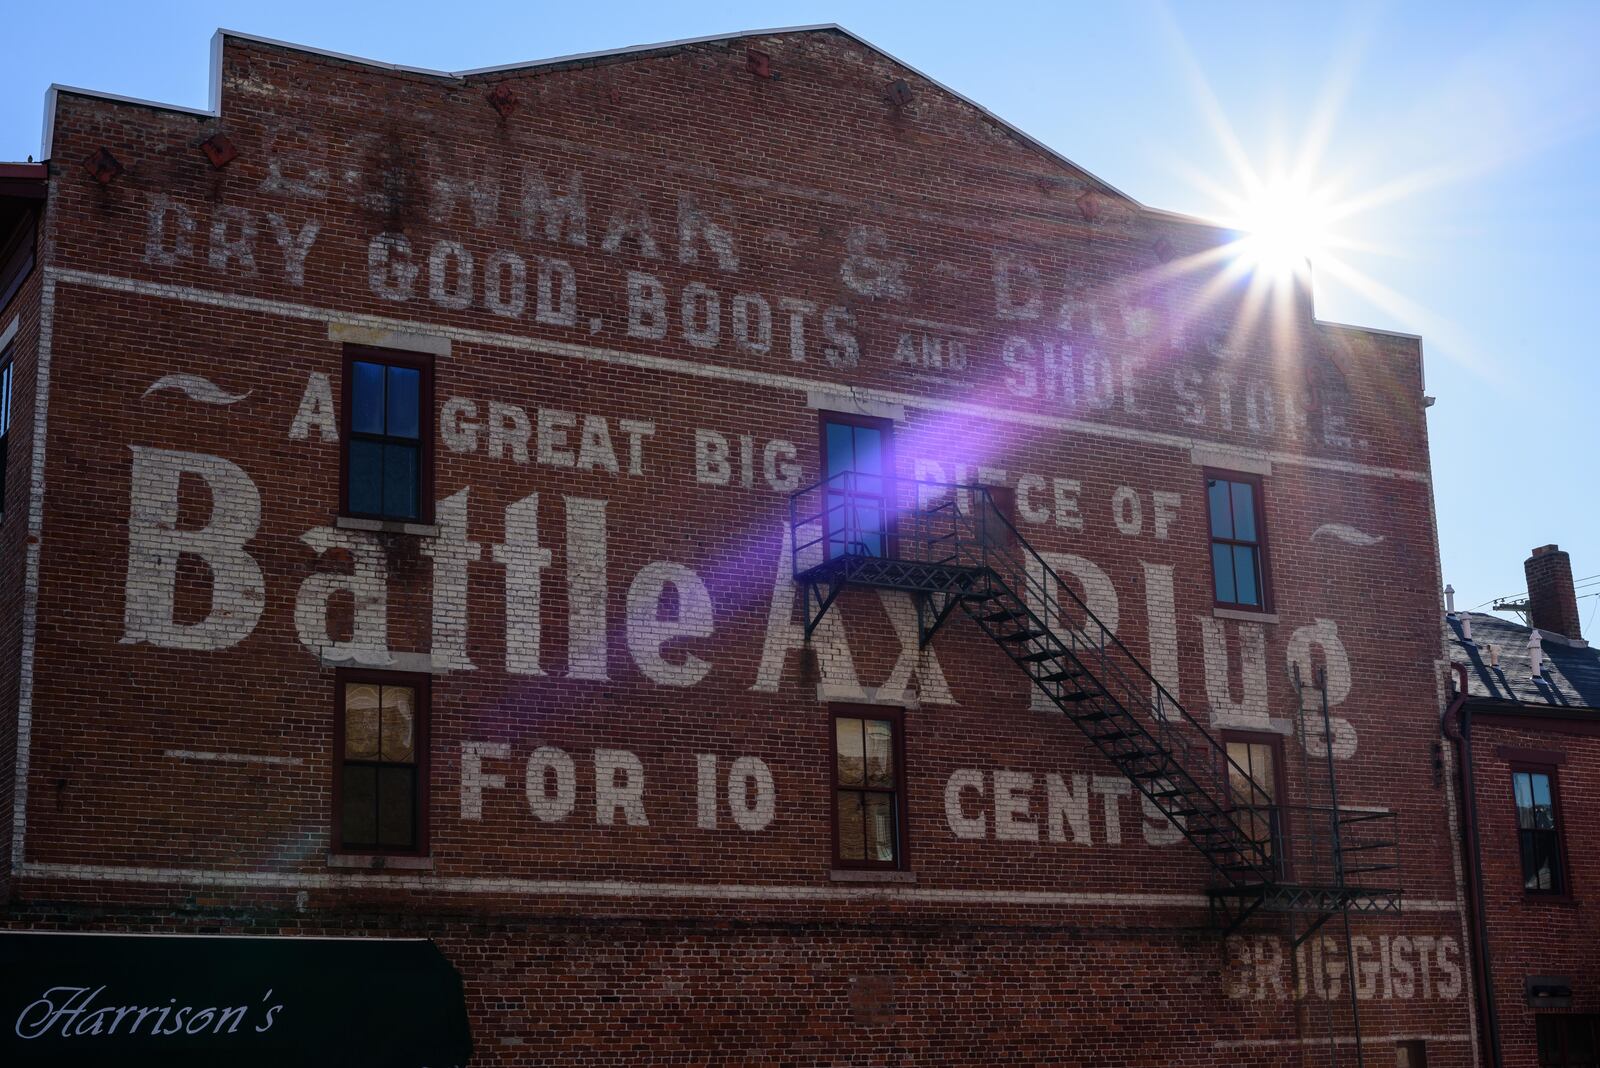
(1255, 786)
(1538, 830)
(1566, 1041)
(380, 793)
(857, 462)
(5, 423)
(388, 444)
(1238, 540)
(868, 805)
(1411, 1053)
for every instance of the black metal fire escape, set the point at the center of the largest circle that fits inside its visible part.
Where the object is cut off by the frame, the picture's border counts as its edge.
(953, 547)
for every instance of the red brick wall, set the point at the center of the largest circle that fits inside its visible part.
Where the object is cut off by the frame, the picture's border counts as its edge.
(23, 312)
(937, 267)
(1531, 935)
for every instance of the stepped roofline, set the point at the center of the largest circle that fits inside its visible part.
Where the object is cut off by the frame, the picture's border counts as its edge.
(214, 105)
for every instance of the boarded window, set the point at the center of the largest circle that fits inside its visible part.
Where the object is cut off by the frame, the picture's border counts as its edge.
(381, 787)
(1567, 1041)
(868, 793)
(1255, 777)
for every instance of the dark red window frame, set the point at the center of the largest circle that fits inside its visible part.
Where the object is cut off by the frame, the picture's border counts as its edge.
(875, 422)
(421, 685)
(1562, 890)
(1278, 785)
(426, 419)
(885, 427)
(1259, 545)
(896, 717)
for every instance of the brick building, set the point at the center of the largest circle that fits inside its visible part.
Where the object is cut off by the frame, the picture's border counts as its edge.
(753, 557)
(1526, 720)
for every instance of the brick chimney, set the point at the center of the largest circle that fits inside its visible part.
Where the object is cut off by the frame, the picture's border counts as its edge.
(1552, 604)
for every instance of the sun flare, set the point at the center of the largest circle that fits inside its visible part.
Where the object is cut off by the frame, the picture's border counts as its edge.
(1285, 226)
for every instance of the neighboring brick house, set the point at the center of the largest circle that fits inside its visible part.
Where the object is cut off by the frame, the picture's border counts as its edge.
(480, 508)
(1529, 714)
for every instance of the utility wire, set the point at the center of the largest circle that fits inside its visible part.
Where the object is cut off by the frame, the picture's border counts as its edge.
(1577, 584)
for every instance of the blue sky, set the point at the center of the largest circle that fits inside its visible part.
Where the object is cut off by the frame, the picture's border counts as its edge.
(1467, 134)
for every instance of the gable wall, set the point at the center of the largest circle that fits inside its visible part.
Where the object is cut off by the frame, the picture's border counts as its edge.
(746, 251)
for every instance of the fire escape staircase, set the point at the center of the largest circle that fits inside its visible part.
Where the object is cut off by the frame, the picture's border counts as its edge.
(955, 548)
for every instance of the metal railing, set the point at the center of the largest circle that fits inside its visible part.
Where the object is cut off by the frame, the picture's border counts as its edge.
(854, 518)
(1319, 845)
(877, 516)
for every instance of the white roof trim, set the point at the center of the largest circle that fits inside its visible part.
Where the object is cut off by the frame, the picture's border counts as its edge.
(1181, 217)
(1368, 329)
(215, 103)
(216, 40)
(578, 57)
(50, 108)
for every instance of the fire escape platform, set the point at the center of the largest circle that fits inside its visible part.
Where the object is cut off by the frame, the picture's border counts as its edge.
(1319, 902)
(1312, 897)
(887, 572)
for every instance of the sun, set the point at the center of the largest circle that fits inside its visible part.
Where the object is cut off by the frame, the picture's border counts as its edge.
(1285, 226)
(1306, 207)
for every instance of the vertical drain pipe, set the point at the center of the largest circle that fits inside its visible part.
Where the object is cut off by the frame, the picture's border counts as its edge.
(1461, 734)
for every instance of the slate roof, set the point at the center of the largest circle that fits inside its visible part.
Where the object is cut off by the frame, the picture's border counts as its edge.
(1571, 677)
